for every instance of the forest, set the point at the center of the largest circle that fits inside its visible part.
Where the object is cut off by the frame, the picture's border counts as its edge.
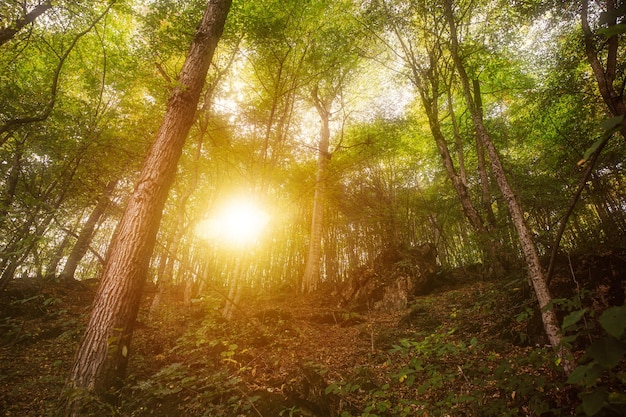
(332, 208)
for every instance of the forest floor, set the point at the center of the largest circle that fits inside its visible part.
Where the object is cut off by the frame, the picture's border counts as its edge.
(472, 347)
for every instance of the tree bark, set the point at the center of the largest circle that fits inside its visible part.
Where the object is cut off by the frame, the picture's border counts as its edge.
(458, 140)
(55, 259)
(86, 235)
(426, 81)
(537, 278)
(101, 360)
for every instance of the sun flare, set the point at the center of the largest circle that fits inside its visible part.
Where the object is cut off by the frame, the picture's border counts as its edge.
(239, 222)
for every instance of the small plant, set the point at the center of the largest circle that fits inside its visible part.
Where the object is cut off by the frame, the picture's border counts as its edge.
(443, 374)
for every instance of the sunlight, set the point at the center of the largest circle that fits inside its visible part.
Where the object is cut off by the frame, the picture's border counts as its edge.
(239, 222)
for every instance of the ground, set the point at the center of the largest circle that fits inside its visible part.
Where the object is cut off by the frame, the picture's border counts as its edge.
(473, 346)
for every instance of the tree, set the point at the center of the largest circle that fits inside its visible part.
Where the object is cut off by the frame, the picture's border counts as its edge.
(311, 276)
(101, 360)
(84, 238)
(332, 62)
(606, 41)
(420, 37)
(42, 114)
(548, 315)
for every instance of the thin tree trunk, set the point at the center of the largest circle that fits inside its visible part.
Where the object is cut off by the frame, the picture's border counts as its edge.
(458, 140)
(311, 277)
(11, 182)
(86, 235)
(426, 81)
(51, 269)
(462, 192)
(614, 100)
(101, 360)
(482, 165)
(234, 292)
(537, 278)
(25, 240)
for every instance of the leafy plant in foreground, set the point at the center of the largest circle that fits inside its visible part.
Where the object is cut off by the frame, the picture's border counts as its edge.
(600, 372)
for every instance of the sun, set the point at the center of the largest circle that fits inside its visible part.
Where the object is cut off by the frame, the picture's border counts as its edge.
(238, 221)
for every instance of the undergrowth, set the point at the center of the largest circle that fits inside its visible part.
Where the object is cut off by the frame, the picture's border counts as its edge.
(459, 363)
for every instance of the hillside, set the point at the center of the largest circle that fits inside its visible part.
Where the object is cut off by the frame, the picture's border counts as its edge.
(472, 347)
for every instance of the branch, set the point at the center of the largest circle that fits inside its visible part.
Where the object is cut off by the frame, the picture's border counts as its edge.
(14, 123)
(6, 34)
(572, 205)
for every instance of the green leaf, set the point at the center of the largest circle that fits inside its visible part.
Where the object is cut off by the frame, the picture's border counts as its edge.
(608, 352)
(613, 320)
(618, 398)
(613, 30)
(594, 401)
(334, 388)
(585, 375)
(573, 318)
(608, 128)
(612, 123)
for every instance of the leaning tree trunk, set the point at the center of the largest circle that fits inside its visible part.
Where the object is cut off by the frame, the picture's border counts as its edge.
(460, 186)
(101, 360)
(86, 235)
(537, 278)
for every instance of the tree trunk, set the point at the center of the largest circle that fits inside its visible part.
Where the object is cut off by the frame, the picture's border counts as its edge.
(548, 315)
(101, 360)
(482, 165)
(234, 292)
(605, 74)
(56, 257)
(11, 182)
(86, 235)
(462, 192)
(311, 277)
(458, 140)
(166, 266)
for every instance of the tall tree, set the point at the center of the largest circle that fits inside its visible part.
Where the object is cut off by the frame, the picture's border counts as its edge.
(420, 35)
(102, 358)
(331, 63)
(548, 315)
(311, 276)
